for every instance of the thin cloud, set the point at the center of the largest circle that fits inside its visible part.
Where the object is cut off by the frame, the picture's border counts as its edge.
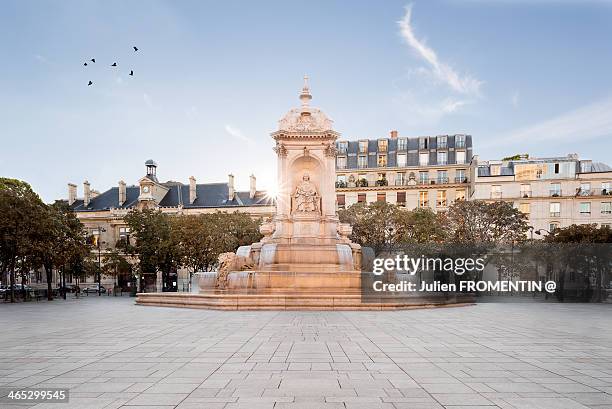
(443, 72)
(589, 122)
(237, 133)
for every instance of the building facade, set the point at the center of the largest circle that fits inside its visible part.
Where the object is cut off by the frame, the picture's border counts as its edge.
(102, 213)
(553, 192)
(428, 171)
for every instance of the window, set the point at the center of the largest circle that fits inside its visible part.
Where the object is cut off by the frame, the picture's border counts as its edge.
(381, 197)
(401, 160)
(495, 169)
(441, 200)
(124, 233)
(401, 199)
(424, 178)
(341, 201)
(556, 168)
(555, 209)
(363, 146)
(524, 208)
(341, 181)
(442, 156)
(585, 208)
(342, 147)
(423, 199)
(525, 190)
(606, 208)
(402, 144)
(605, 188)
(442, 177)
(341, 162)
(608, 225)
(585, 189)
(382, 160)
(423, 143)
(441, 142)
(423, 159)
(553, 226)
(400, 179)
(361, 198)
(460, 195)
(460, 157)
(496, 192)
(459, 141)
(555, 189)
(362, 161)
(460, 176)
(382, 145)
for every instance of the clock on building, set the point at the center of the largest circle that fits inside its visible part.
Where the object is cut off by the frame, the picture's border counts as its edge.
(145, 189)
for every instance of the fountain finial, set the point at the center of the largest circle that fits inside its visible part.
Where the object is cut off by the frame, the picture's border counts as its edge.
(305, 96)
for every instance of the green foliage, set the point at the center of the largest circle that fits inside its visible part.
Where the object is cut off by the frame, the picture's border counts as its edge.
(518, 156)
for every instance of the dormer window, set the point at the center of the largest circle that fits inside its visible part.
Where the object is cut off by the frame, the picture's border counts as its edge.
(441, 142)
(363, 146)
(382, 145)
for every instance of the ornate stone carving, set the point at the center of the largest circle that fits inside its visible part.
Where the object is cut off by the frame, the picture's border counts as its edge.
(280, 149)
(305, 119)
(229, 262)
(330, 150)
(306, 196)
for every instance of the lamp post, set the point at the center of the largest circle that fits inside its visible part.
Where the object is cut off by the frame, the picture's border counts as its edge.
(99, 245)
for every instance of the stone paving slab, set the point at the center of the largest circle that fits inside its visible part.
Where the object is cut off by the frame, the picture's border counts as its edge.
(111, 353)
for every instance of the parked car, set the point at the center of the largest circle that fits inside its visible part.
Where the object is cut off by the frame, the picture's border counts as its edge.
(94, 289)
(68, 288)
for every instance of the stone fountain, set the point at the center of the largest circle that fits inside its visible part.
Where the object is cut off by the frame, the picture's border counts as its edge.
(305, 259)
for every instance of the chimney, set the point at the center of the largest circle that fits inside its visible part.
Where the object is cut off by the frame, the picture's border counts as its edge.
(192, 189)
(122, 193)
(86, 193)
(71, 193)
(230, 184)
(394, 134)
(253, 189)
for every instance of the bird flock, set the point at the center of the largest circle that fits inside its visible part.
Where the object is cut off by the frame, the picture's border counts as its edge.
(114, 65)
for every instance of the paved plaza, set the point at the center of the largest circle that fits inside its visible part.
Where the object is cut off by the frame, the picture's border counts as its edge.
(113, 354)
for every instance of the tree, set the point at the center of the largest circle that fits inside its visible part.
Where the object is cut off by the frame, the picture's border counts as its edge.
(21, 228)
(154, 245)
(115, 263)
(373, 224)
(64, 245)
(585, 249)
(201, 238)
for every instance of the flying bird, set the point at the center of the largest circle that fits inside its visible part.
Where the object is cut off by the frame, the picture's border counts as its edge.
(93, 60)
(135, 49)
(114, 64)
(85, 64)
(131, 73)
(90, 83)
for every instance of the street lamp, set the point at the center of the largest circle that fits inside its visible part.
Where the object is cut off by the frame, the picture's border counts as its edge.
(99, 245)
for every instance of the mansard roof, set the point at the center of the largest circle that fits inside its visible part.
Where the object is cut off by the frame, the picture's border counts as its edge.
(208, 195)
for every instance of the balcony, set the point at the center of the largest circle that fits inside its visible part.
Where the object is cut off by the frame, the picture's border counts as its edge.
(580, 192)
(525, 194)
(442, 162)
(382, 182)
(362, 183)
(340, 184)
(459, 144)
(459, 179)
(442, 145)
(441, 180)
(555, 193)
(555, 214)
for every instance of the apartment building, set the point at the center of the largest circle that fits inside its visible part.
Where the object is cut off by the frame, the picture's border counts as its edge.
(553, 192)
(426, 171)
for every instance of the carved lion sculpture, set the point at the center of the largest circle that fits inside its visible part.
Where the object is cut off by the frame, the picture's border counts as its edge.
(229, 262)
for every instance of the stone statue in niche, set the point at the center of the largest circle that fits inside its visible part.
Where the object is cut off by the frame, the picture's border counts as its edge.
(306, 196)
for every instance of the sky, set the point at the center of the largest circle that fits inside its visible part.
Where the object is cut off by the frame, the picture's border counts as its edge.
(212, 78)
